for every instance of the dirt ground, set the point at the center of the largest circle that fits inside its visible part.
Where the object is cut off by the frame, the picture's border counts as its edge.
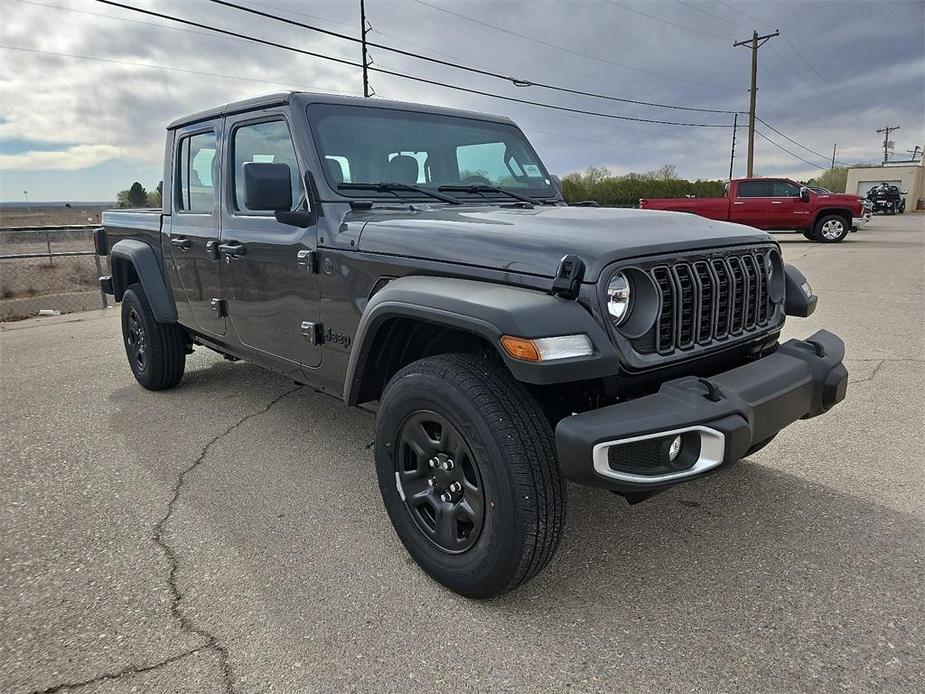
(44, 216)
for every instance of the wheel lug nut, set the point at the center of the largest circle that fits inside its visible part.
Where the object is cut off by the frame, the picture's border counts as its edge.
(446, 497)
(448, 464)
(430, 481)
(432, 462)
(455, 487)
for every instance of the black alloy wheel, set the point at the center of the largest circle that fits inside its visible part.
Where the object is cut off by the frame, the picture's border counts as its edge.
(439, 481)
(135, 340)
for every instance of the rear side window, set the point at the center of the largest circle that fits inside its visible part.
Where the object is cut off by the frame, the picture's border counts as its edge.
(269, 143)
(754, 189)
(196, 174)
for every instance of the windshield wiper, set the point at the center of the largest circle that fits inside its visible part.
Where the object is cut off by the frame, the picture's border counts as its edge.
(385, 187)
(483, 188)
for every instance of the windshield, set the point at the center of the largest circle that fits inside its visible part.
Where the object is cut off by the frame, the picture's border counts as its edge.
(360, 144)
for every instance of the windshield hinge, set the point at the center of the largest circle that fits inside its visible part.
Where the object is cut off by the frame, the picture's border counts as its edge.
(568, 277)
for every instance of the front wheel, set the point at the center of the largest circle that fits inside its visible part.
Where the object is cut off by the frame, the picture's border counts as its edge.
(831, 228)
(467, 469)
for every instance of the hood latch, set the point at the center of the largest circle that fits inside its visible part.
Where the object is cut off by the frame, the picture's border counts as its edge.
(568, 277)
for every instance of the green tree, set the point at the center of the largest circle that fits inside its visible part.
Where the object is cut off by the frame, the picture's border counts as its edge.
(137, 195)
(609, 189)
(834, 179)
(156, 196)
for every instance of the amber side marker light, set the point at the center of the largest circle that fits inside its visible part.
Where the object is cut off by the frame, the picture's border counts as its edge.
(547, 348)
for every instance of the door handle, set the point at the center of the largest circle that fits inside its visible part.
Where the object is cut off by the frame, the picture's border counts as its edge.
(231, 249)
(180, 242)
(776, 202)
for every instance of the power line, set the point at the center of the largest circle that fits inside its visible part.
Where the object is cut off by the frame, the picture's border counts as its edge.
(351, 63)
(715, 16)
(795, 156)
(468, 68)
(565, 49)
(665, 21)
(790, 139)
(166, 68)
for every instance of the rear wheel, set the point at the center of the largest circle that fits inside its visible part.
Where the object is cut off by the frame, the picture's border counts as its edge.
(156, 351)
(831, 228)
(466, 465)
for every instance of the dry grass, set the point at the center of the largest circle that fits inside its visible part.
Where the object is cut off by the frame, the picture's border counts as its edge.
(46, 216)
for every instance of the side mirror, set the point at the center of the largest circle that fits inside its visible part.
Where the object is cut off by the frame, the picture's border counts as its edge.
(905, 192)
(804, 194)
(267, 187)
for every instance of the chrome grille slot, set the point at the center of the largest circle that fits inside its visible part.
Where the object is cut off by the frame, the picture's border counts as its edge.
(710, 299)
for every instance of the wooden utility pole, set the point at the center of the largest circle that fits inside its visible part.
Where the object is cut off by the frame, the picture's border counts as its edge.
(364, 29)
(754, 43)
(886, 130)
(834, 149)
(732, 155)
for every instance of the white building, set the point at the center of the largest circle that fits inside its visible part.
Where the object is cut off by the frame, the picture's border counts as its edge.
(907, 176)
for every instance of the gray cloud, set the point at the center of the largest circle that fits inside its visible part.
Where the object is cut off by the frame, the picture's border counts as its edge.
(835, 75)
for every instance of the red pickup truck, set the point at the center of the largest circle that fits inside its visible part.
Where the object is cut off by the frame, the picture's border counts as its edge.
(776, 204)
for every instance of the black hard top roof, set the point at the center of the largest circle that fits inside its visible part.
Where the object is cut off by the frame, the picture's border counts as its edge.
(303, 99)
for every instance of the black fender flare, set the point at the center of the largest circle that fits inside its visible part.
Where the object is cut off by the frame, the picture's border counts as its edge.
(140, 256)
(488, 311)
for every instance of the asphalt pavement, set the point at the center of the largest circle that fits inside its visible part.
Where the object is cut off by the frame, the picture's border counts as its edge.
(228, 535)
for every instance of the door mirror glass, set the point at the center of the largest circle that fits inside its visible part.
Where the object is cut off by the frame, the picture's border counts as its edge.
(804, 194)
(267, 187)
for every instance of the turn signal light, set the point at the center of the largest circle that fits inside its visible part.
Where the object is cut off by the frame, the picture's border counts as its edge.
(520, 348)
(547, 348)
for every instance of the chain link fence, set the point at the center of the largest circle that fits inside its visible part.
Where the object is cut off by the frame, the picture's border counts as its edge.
(49, 269)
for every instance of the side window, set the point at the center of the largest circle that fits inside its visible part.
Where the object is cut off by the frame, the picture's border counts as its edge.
(754, 189)
(269, 143)
(196, 173)
(784, 189)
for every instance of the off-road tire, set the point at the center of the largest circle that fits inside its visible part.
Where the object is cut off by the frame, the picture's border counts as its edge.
(164, 357)
(512, 443)
(825, 225)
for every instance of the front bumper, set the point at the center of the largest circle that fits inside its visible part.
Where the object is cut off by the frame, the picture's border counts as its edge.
(720, 417)
(858, 222)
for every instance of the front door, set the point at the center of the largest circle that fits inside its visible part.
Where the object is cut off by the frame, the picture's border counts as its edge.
(270, 289)
(750, 205)
(787, 210)
(194, 228)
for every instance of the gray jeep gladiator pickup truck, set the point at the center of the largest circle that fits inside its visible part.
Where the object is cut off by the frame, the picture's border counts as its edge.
(422, 262)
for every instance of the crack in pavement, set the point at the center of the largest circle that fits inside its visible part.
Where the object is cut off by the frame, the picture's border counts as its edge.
(211, 640)
(871, 375)
(128, 670)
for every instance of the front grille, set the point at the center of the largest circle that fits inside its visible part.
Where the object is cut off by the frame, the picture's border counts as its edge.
(709, 299)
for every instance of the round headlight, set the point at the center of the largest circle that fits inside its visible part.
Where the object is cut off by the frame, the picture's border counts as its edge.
(618, 297)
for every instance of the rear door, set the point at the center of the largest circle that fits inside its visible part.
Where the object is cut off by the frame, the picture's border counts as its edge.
(269, 286)
(194, 226)
(751, 203)
(786, 209)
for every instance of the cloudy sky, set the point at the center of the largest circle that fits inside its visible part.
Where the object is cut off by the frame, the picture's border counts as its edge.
(86, 88)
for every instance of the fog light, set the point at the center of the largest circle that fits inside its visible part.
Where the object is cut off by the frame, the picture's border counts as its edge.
(674, 449)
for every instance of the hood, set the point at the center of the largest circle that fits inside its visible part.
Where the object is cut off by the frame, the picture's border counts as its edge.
(533, 241)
